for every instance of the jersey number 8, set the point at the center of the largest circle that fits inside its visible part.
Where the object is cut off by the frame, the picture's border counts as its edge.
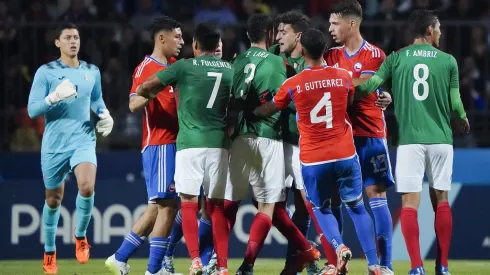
(324, 102)
(421, 80)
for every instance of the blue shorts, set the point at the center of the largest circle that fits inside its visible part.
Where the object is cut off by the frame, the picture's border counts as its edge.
(322, 179)
(56, 166)
(374, 158)
(159, 169)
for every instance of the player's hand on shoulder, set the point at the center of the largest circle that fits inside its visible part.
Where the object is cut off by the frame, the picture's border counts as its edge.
(63, 91)
(384, 100)
(105, 124)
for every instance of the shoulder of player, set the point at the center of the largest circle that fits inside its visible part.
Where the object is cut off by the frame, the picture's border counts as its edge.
(333, 50)
(274, 49)
(373, 51)
(337, 70)
(88, 66)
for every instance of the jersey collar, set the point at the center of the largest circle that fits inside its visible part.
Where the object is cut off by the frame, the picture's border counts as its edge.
(351, 56)
(156, 61)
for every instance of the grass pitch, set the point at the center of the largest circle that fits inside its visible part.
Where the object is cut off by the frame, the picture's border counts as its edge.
(262, 267)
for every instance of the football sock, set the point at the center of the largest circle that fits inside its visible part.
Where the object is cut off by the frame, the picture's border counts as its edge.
(410, 230)
(51, 216)
(384, 229)
(364, 229)
(329, 251)
(190, 228)
(443, 226)
(337, 212)
(128, 247)
(84, 214)
(259, 230)
(176, 235)
(231, 208)
(286, 226)
(328, 224)
(221, 233)
(205, 235)
(158, 246)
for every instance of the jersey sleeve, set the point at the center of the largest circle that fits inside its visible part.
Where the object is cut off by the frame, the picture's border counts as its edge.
(136, 83)
(96, 101)
(170, 75)
(454, 73)
(40, 88)
(374, 62)
(330, 57)
(284, 96)
(378, 79)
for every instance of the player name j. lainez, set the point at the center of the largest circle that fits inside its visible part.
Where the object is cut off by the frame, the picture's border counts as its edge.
(207, 63)
(422, 53)
(326, 83)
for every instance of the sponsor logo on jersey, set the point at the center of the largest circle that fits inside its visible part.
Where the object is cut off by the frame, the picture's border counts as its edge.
(358, 66)
(86, 77)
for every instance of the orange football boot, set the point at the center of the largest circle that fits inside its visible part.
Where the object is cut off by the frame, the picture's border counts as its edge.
(82, 250)
(49, 264)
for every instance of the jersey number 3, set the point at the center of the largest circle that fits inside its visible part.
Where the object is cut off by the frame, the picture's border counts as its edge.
(421, 81)
(324, 102)
(214, 93)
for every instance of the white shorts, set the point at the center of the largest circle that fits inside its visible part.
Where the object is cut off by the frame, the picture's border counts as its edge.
(201, 166)
(259, 162)
(293, 166)
(412, 160)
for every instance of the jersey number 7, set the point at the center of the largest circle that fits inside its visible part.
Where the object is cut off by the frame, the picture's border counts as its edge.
(214, 93)
(324, 102)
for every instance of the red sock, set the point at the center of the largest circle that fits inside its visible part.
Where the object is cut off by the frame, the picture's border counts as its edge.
(286, 226)
(231, 208)
(410, 230)
(258, 232)
(190, 228)
(221, 233)
(443, 226)
(329, 251)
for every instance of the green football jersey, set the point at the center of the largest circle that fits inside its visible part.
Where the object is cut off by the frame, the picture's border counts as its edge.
(423, 78)
(257, 71)
(289, 124)
(204, 86)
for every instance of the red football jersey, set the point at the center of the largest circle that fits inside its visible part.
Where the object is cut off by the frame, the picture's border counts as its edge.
(320, 95)
(367, 119)
(160, 124)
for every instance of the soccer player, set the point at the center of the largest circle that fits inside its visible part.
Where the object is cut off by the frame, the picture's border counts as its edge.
(290, 26)
(64, 91)
(257, 156)
(362, 60)
(160, 127)
(204, 87)
(327, 151)
(426, 90)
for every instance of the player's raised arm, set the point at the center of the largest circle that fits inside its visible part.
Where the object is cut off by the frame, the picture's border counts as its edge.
(376, 80)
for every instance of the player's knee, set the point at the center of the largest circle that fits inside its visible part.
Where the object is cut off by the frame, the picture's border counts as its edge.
(86, 187)
(441, 195)
(152, 211)
(356, 205)
(53, 201)
(376, 191)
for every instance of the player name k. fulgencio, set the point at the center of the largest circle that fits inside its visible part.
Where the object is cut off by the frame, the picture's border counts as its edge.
(207, 63)
(422, 53)
(326, 83)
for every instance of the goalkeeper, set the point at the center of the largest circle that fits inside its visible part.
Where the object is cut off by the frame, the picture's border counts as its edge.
(64, 91)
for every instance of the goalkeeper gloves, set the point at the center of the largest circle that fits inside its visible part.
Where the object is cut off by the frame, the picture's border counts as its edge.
(105, 124)
(63, 91)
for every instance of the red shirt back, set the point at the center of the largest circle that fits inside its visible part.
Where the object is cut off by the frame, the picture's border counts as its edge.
(160, 124)
(320, 95)
(367, 119)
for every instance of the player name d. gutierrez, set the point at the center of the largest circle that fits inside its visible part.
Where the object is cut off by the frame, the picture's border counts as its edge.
(326, 83)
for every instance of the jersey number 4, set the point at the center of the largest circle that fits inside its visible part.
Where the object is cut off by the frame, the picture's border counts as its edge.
(214, 93)
(327, 118)
(421, 80)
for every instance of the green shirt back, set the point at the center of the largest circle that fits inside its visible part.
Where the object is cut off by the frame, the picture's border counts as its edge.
(289, 124)
(257, 71)
(204, 86)
(422, 77)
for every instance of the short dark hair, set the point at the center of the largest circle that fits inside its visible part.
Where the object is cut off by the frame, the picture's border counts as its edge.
(299, 22)
(163, 23)
(420, 20)
(207, 35)
(258, 26)
(65, 26)
(314, 42)
(347, 8)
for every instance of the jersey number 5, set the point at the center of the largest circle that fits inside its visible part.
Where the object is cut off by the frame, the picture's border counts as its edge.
(421, 80)
(214, 93)
(324, 102)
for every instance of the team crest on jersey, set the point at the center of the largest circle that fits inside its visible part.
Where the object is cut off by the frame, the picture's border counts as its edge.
(358, 66)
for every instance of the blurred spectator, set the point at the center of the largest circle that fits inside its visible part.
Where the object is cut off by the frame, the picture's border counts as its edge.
(8, 30)
(116, 85)
(215, 11)
(37, 12)
(77, 12)
(145, 14)
(25, 138)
